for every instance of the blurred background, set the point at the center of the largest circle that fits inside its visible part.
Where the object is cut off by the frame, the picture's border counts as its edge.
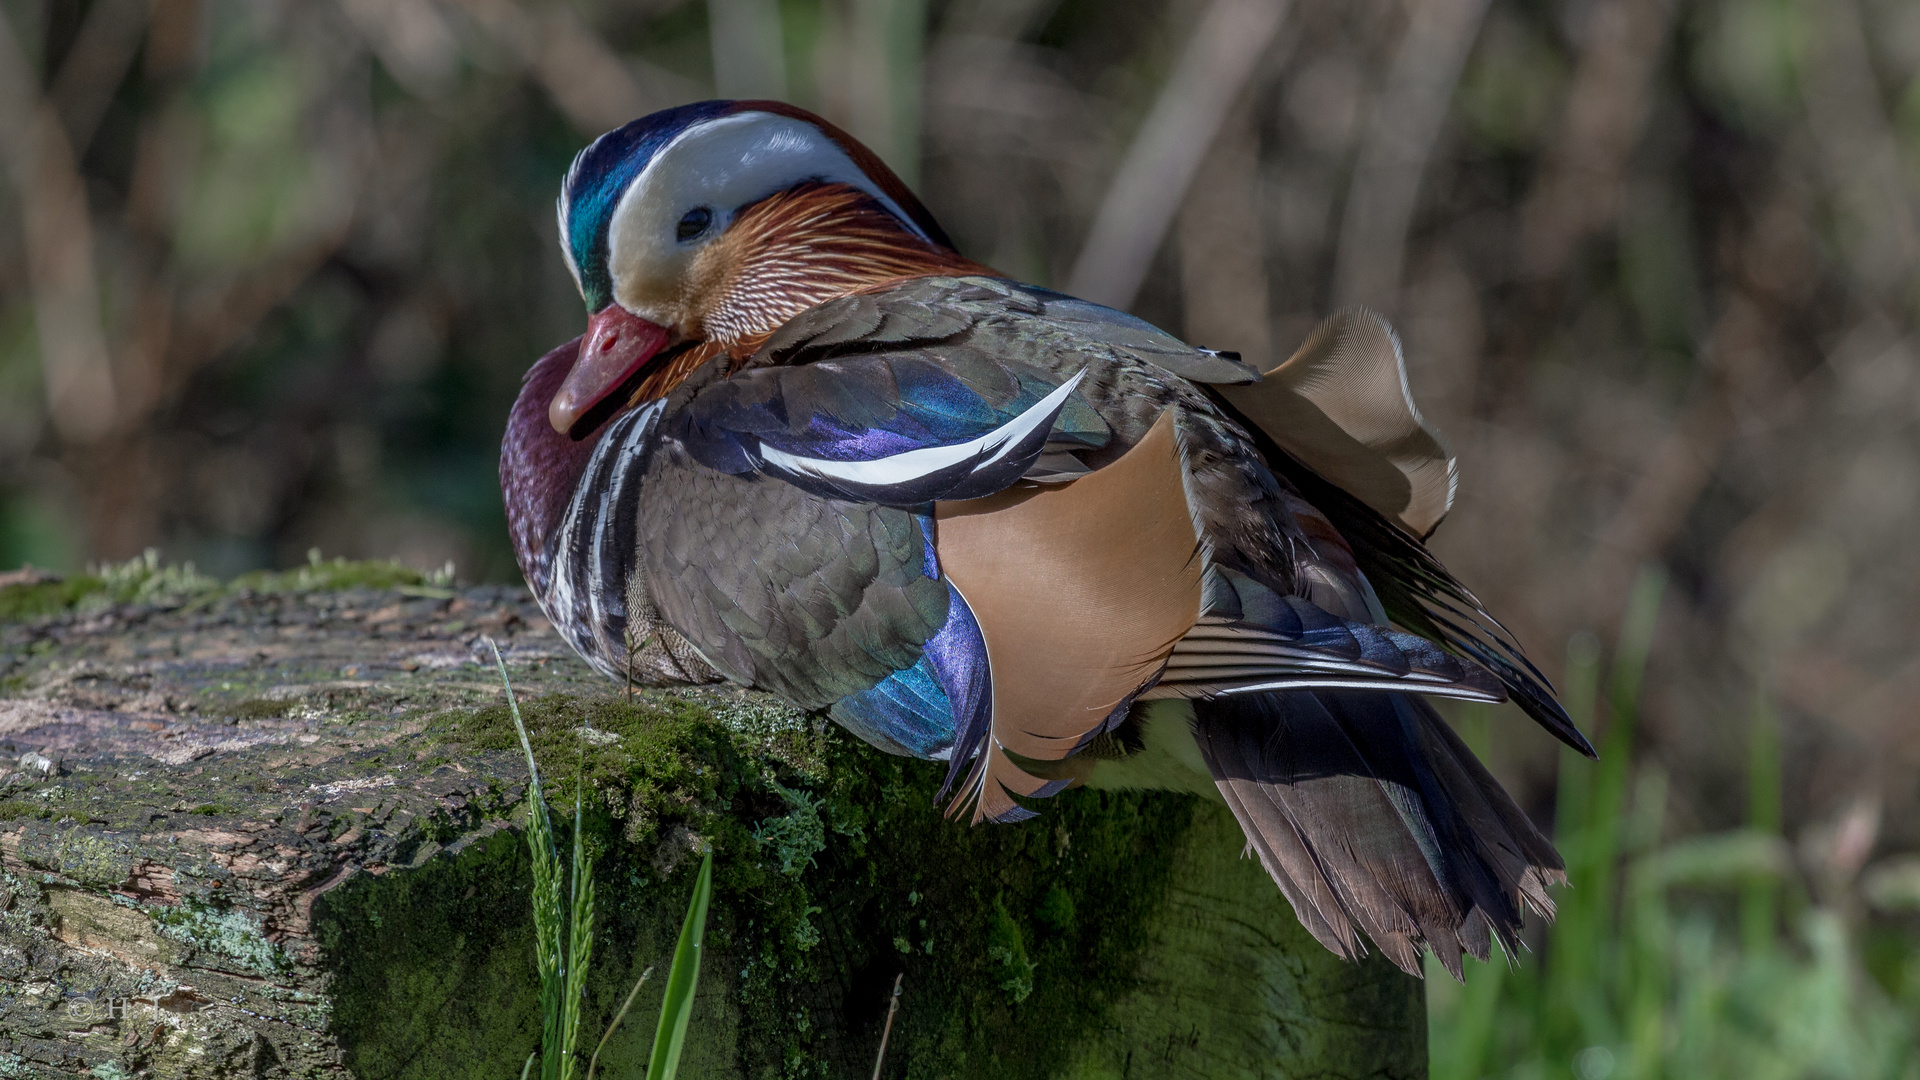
(270, 273)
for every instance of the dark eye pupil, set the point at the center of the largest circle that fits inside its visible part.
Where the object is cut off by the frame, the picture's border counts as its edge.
(694, 223)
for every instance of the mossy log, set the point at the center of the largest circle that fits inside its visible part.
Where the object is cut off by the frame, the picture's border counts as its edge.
(276, 832)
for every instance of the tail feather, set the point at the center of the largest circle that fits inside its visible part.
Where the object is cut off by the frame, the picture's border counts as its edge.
(1286, 860)
(1526, 860)
(1373, 818)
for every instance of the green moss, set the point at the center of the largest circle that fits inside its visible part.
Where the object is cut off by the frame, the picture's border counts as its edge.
(226, 932)
(834, 870)
(146, 580)
(258, 708)
(647, 759)
(1007, 952)
(1056, 909)
(14, 809)
(334, 575)
(432, 971)
(18, 602)
(1232, 987)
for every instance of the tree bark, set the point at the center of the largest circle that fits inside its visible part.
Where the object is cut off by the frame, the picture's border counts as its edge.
(278, 834)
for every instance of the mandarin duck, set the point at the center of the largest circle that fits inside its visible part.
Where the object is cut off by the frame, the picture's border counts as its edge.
(807, 447)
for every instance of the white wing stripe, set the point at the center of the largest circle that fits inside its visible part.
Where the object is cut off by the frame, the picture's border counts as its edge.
(910, 465)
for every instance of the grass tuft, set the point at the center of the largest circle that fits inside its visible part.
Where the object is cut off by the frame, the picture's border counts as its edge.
(1670, 959)
(561, 958)
(563, 934)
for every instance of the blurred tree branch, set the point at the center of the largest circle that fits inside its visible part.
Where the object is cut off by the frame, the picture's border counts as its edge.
(1849, 123)
(1579, 190)
(749, 49)
(1223, 272)
(1402, 128)
(52, 202)
(595, 88)
(1146, 191)
(1675, 469)
(868, 61)
(96, 64)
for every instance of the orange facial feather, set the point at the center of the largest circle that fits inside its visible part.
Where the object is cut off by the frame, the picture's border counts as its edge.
(784, 254)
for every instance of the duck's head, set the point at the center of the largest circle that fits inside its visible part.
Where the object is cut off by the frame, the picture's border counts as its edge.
(700, 229)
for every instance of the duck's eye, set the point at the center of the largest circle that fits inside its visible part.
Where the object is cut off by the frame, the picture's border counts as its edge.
(693, 223)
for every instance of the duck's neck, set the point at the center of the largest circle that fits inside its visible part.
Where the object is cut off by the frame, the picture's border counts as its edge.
(539, 466)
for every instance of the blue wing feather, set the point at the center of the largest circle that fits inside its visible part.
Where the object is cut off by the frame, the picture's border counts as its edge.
(922, 710)
(832, 429)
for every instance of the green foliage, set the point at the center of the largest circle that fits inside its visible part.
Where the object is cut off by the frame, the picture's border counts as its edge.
(1643, 974)
(139, 580)
(1007, 951)
(332, 575)
(579, 938)
(670, 1037)
(45, 597)
(1056, 909)
(259, 708)
(651, 758)
(563, 937)
(795, 839)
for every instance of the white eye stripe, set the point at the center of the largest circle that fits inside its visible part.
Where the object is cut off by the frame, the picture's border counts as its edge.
(566, 236)
(722, 164)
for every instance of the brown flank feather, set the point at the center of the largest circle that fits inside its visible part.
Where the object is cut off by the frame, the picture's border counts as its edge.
(1081, 591)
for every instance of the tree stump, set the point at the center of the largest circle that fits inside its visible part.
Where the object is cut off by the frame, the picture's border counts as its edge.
(276, 832)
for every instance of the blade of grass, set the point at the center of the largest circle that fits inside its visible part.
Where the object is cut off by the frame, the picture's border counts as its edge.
(1580, 979)
(1589, 991)
(1575, 786)
(548, 935)
(1636, 639)
(671, 1036)
(1623, 700)
(1475, 1018)
(893, 1006)
(580, 940)
(1607, 811)
(593, 1063)
(1758, 916)
(1575, 948)
(1646, 928)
